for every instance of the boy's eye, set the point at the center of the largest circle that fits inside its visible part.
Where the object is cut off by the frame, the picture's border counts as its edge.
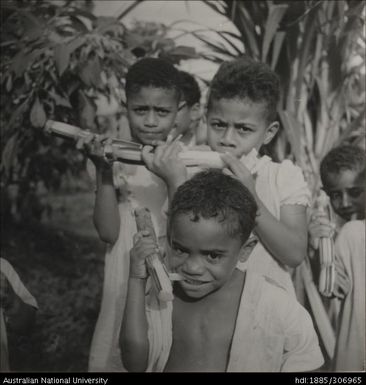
(140, 110)
(334, 195)
(355, 192)
(163, 112)
(213, 257)
(218, 126)
(179, 251)
(243, 129)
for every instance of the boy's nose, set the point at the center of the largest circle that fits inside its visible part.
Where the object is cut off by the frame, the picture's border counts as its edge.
(150, 119)
(193, 265)
(345, 199)
(229, 138)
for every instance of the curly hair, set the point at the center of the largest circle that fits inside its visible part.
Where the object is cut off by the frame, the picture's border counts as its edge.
(245, 78)
(152, 72)
(213, 194)
(191, 92)
(345, 157)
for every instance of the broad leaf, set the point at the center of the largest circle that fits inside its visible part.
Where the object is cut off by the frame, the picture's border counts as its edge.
(38, 115)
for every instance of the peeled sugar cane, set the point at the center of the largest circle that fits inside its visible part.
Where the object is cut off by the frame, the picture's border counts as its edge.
(326, 251)
(157, 270)
(130, 152)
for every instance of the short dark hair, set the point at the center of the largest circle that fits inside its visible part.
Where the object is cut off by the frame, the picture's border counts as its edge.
(191, 92)
(246, 78)
(152, 72)
(345, 157)
(213, 194)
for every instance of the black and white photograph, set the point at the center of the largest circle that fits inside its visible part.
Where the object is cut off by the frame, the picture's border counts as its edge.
(182, 189)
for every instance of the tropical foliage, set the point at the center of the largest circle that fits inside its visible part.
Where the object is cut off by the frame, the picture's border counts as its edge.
(317, 48)
(57, 59)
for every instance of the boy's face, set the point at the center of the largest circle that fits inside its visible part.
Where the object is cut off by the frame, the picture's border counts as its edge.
(203, 254)
(151, 113)
(346, 192)
(237, 126)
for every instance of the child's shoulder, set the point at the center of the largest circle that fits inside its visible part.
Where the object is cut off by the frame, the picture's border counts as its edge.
(273, 300)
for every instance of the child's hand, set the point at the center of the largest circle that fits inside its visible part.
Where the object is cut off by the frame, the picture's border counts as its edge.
(165, 161)
(320, 227)
(240, 171)
(144, 246)
(93, 146)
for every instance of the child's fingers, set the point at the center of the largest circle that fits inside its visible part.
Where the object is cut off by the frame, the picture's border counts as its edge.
(147, 155)
(238, 168)
(80, 143)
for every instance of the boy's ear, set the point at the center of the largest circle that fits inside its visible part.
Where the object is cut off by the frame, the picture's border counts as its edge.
(271, 131)
(247, 248)
(195, 112)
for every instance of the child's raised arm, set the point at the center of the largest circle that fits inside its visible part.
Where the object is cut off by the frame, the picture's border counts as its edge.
(286, 239)
(106, 214)
(134, 342)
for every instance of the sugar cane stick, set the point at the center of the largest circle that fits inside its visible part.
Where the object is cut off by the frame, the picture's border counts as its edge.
(130, 152)
(156, 268)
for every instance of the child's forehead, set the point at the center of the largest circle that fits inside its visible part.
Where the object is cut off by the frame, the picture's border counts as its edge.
(236, 103)
(154, 93)
(343, 177)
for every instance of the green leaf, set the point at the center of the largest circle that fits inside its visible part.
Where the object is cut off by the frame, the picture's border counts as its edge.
(38, 115)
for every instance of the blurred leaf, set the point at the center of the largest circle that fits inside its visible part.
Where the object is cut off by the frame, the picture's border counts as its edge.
(38, 115)
(277, 45)
(8, 154)
(88, 112)
(62, 58)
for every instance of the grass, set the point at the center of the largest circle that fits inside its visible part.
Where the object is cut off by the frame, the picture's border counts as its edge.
(61, 263)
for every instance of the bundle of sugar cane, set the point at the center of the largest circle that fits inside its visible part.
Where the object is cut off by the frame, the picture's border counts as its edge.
(326, 252)
(130, 152)
(155, 266)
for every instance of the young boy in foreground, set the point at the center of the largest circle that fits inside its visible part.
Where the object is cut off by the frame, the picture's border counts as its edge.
(221, 319)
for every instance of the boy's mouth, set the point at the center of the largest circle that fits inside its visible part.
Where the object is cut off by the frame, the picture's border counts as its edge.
(193, 282)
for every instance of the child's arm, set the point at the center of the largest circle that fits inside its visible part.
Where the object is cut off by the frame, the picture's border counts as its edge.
(106, 214)
(134, 342)
(286, 239)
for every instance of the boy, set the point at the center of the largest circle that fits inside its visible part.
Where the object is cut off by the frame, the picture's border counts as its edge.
(241, 120)
(222, 319)
(153, 98)
(341, 173)
(189, 114)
